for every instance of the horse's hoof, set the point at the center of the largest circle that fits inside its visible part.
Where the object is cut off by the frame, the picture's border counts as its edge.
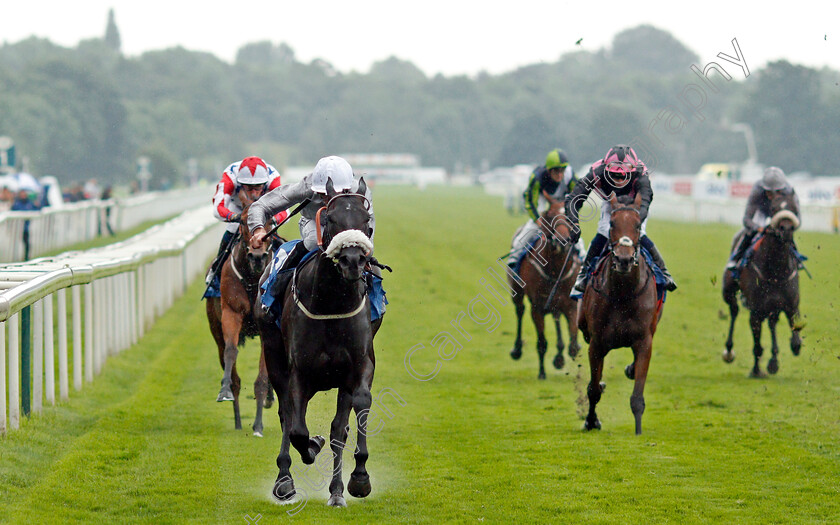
(225, 394)
(284, 490)
(596, 425)
(773, 366)
(574, 349)
(268, 402)
(359, 486)
(541, 375)
(559, 362)
(336, 500)
(516, 353)
(757, 373)
(795, 347)
(603, 387)
(630, 371)
(258, 434)
(316, 444)
(728, 356)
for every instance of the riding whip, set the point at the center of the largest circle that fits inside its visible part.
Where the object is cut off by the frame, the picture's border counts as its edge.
(301, 206)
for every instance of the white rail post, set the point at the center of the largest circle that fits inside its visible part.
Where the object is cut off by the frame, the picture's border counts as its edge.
(140, 292)
(99, 328)
(2, 378)
(133, 306)
(14, 372)
(89, 335)
(76, 295)
(37, 356)
(63, 380)
(49, 351)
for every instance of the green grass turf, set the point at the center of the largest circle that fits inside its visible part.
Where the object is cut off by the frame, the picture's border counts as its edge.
(483, 440)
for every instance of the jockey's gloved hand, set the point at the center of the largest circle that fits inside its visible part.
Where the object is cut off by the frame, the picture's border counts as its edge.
(234, 217)
(574, 236)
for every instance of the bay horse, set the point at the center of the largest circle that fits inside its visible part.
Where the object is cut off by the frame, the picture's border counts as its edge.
(325, 341)
(540, 269)
(769, 285)
(619, 308)
(232, 321)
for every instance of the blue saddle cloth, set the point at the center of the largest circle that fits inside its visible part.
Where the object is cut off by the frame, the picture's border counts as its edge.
(214, 289)
(658, 276)
(376, 293)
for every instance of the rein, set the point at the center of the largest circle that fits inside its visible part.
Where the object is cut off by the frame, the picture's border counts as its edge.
(319, 236)
(249, 287)
(608, 296)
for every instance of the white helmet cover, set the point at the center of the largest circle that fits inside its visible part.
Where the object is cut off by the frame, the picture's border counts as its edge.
(334, 168)
(774, 179)
(252, 170)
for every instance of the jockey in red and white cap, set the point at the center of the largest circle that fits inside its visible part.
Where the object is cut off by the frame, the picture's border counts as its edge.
(252, 176)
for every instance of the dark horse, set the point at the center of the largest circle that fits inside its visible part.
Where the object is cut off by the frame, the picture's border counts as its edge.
(232, 321)
(326, 342)
(769, 285)
(619, 308)
(541, 268)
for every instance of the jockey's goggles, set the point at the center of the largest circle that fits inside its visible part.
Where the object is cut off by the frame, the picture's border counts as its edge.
(621, 167)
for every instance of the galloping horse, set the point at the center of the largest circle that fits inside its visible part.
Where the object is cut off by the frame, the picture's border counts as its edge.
(326, 342)
(232, 321)
(769, 285)
(619, 308)
(540, 270)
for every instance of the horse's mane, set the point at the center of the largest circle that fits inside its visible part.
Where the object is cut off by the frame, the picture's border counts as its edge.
(626, 199)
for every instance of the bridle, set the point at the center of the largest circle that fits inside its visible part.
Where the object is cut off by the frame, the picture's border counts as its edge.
(624, 240)
(323, 242)
(319, 233)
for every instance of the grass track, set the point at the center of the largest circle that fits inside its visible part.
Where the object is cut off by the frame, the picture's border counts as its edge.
(481, 441)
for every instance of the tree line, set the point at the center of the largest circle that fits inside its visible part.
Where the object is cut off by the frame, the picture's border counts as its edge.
(90, 111)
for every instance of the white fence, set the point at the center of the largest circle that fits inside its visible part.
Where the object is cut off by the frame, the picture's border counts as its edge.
(815, 217)
(63, 316)
(693, 200)
(54, 228)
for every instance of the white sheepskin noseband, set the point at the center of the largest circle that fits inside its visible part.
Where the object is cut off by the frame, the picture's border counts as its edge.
(346, 239)
(784, 214)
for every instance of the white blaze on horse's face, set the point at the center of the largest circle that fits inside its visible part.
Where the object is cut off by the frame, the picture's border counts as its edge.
(625, 241)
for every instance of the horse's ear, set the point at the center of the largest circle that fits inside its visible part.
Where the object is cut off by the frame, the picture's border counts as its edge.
(638, 201)
(362, 187)
(613, 200)
(330, 188)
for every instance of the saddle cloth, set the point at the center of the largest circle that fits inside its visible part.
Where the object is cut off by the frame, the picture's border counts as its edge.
(376, 293)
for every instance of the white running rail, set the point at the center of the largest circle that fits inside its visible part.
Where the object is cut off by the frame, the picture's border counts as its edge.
(52, 229)
(84, 306)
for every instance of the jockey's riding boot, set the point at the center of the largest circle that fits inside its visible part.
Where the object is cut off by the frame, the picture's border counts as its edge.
(595, 248)
(741, 249)
(220, 256)
(513, 257)
(670, 285)
(580, 281)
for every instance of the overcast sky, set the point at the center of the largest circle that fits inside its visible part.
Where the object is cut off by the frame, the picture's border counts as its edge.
(450, 37)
